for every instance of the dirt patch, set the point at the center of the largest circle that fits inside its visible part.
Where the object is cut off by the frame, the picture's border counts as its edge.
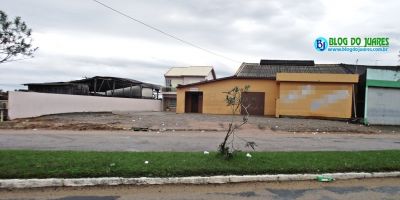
(167, 121)
(81, 121)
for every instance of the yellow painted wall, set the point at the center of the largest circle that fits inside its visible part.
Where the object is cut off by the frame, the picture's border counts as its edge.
(213, 96)
(289, 97)
(325, 78)
(315, 99)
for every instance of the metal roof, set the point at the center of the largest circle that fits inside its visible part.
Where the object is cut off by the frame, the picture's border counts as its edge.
(50, 84)
(104, 83)
(288, 62)
(119, 82)
(270, 70)
(190, 71)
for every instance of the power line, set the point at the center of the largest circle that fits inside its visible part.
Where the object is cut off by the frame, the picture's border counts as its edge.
(165, 33)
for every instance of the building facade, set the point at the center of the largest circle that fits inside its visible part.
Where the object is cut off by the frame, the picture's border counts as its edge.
(181, 76)
(277, 88)
(382, 94)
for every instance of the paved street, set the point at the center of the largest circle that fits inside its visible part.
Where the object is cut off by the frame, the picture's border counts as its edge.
(308, 190)
(190, 141)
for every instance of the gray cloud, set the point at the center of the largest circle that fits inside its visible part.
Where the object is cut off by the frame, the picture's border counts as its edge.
(246, 30)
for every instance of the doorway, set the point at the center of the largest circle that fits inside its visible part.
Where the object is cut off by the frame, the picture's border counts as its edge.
(256, 102)
(194, 102)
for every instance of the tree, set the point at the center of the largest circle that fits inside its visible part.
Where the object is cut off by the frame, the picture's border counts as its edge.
(233, 99)
(15, 39)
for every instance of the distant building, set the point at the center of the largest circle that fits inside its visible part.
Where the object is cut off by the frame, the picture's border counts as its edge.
(182, 76)
(100, 86)
(3, 105)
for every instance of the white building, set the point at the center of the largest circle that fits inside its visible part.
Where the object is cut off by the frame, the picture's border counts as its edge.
(181, 76)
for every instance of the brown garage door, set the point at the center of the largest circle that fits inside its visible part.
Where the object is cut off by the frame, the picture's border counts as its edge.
(256, 102)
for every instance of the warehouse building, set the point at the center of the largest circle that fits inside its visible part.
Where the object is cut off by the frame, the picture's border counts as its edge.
(100, 86)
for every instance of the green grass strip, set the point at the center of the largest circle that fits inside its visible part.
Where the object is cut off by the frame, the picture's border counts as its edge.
(74, 164)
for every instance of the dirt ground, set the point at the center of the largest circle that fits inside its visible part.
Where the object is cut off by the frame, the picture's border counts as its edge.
(168, 121)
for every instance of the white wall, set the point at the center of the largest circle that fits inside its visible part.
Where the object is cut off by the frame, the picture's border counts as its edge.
(175, 81)
(210, 76)
(32, 104)
(192, 79)
(187, 80)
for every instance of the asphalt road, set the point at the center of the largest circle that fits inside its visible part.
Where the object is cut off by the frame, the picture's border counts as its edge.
(350, 189)
(190, 141)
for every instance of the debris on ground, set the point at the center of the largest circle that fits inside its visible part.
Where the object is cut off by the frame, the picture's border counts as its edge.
(323, 178)
(168, 121)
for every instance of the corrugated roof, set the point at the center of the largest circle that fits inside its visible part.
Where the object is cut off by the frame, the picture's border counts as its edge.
(270, 71)
(190, 71)
(288, 62)
(100, 87)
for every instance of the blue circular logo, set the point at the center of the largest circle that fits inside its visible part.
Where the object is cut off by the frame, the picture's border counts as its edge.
(320, 44)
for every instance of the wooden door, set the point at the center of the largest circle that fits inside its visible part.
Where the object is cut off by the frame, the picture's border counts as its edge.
(256, 102)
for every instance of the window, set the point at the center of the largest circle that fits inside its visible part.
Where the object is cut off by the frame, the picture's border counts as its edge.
(172, 103)
(168, 82)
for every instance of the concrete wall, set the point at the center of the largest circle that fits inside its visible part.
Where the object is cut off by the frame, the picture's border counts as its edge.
(192, 79)
(315, 99)
(32, 104)
(175, 81)
(214, 97)
(383, 74)
(319, 95)
(317, 77)
(183, 80)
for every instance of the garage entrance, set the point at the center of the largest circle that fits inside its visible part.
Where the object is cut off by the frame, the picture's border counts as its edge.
(256, 102)
(193, 102)
(382, 108)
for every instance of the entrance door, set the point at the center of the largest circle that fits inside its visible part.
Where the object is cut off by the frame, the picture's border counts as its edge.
(193, 102)
(256, 102)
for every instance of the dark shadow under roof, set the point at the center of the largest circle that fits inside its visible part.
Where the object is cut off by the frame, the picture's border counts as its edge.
(119, 82)
(288, 62)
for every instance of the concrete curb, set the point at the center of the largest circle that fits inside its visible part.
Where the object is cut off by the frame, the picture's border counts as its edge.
(80, 182)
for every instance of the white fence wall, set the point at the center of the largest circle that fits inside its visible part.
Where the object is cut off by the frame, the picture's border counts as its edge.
(32, 104)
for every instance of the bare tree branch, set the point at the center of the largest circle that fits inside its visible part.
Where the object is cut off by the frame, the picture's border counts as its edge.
(234, 101)
(15, 39)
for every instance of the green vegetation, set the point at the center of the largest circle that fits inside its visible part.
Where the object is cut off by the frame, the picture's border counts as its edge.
(68, 164)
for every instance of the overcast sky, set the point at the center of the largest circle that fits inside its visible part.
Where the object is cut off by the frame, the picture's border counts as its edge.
(78, 38)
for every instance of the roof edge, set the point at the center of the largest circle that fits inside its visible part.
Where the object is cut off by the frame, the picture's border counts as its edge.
(222, 79)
